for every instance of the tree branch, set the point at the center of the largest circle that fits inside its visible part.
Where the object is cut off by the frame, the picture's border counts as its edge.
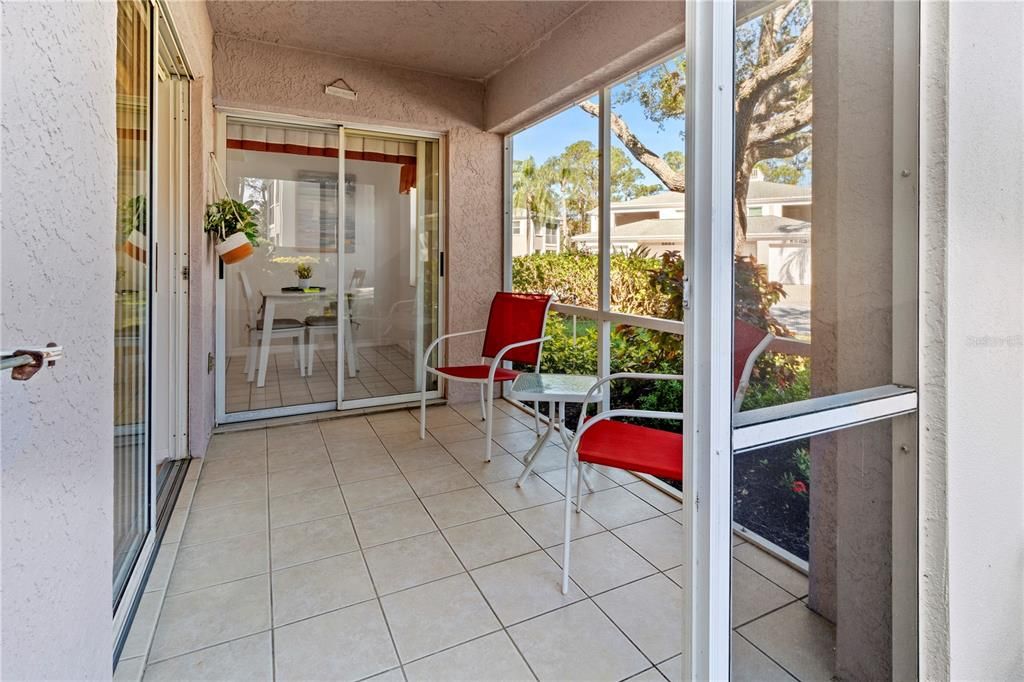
(781, 124)
(787, 64)
(782, 13)
(673, 179)
(783, 149)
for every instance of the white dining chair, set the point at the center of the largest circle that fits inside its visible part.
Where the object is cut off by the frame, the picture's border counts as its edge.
(284, 328)
(327, 325)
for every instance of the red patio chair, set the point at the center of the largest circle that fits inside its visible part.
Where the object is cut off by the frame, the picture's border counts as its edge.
(515, 332)
(620, 445)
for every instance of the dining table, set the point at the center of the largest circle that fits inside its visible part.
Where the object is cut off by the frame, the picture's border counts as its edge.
(293, 295)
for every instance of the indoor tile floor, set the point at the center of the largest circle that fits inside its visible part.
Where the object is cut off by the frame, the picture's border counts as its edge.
(383, 371)
(349, 549)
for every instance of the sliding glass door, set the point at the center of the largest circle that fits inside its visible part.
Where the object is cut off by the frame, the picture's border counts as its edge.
(132, 490)
(285, 294)
(342, 293)
(390, 264)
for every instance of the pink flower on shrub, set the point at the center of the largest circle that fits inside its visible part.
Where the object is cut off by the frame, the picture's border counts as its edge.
(799, 487)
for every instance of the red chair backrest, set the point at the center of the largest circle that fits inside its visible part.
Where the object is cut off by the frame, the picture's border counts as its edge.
(514, 318)
(746, 339)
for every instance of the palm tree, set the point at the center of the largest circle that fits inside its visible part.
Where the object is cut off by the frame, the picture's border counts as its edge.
(531, 189)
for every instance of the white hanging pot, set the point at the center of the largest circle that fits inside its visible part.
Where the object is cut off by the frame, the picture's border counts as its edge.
(234, 249)
(135, 246)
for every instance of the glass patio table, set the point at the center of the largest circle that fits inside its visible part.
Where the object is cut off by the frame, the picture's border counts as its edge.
(556, 390)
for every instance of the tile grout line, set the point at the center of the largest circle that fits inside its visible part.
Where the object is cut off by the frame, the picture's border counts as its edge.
(766, 655)
(768, 578)
(767, 613)
(270, 564)
(473, 581)
(369, 573)
(186, 511)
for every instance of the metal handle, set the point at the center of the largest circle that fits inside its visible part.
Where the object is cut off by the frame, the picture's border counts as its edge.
(25, 362)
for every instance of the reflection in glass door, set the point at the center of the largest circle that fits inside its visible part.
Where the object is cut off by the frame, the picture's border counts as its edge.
(390, 263)
(290, 342)
(281, 311)
(132, 286)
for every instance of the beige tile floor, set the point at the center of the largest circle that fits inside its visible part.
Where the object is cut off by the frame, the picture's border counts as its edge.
(383, 371)
(348, 549)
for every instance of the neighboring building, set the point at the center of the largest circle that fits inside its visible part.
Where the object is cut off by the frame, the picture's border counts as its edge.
(545, 234)
(778, 228)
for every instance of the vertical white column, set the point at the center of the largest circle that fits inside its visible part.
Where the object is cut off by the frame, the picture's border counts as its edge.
(343, 311)
(707, 485)
(506, 256)
(604, 240)
(220, 287)
(417, 250)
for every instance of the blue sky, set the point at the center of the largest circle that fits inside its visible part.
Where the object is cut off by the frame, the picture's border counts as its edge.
(553, 135)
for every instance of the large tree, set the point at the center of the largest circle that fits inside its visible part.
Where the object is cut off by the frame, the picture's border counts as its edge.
(773, 100)
(573, 180)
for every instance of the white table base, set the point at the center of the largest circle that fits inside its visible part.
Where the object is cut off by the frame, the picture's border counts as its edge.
(556, 414)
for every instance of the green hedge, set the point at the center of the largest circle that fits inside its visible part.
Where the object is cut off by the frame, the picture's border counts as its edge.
(571, 276)
(652, 286)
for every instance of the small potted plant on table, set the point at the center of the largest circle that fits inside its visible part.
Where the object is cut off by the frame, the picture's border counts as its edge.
(235, 224)
(304, 271)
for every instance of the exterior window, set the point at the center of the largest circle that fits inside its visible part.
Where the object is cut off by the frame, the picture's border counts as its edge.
(551, 235)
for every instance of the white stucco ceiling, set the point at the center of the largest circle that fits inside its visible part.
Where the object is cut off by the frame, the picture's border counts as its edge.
(461, 39)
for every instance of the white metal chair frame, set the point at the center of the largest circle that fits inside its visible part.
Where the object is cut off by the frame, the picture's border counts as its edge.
(486, 385)
(585, 424)
(296, 334)
(315, 330)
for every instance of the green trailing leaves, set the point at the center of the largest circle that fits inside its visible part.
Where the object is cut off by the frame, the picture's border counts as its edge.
(227, 216)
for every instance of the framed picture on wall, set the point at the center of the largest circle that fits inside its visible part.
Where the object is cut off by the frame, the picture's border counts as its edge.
(316, 210)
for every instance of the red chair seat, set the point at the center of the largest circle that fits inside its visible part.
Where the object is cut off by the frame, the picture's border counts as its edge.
(478, 372)
(633, 447)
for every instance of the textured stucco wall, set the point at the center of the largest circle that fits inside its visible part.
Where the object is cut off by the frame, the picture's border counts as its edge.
(57, 241)
(600, 43)
(193, 26)
(262, 77)
(932, 382)
(851, 516)
(985, 340)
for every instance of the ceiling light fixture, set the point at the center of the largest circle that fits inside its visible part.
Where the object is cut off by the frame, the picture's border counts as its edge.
(340, 88)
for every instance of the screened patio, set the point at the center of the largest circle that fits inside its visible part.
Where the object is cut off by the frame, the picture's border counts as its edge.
(320, 537)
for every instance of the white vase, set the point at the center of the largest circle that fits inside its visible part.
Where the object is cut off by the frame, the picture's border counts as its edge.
(303, 283)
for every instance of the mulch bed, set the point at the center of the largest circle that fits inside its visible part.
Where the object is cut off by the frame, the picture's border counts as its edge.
(762, 501)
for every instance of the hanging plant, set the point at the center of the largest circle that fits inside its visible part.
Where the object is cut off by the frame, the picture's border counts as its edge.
(234, 223)
(133, 218)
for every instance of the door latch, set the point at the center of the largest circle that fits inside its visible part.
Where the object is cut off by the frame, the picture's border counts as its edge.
(686, 292)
